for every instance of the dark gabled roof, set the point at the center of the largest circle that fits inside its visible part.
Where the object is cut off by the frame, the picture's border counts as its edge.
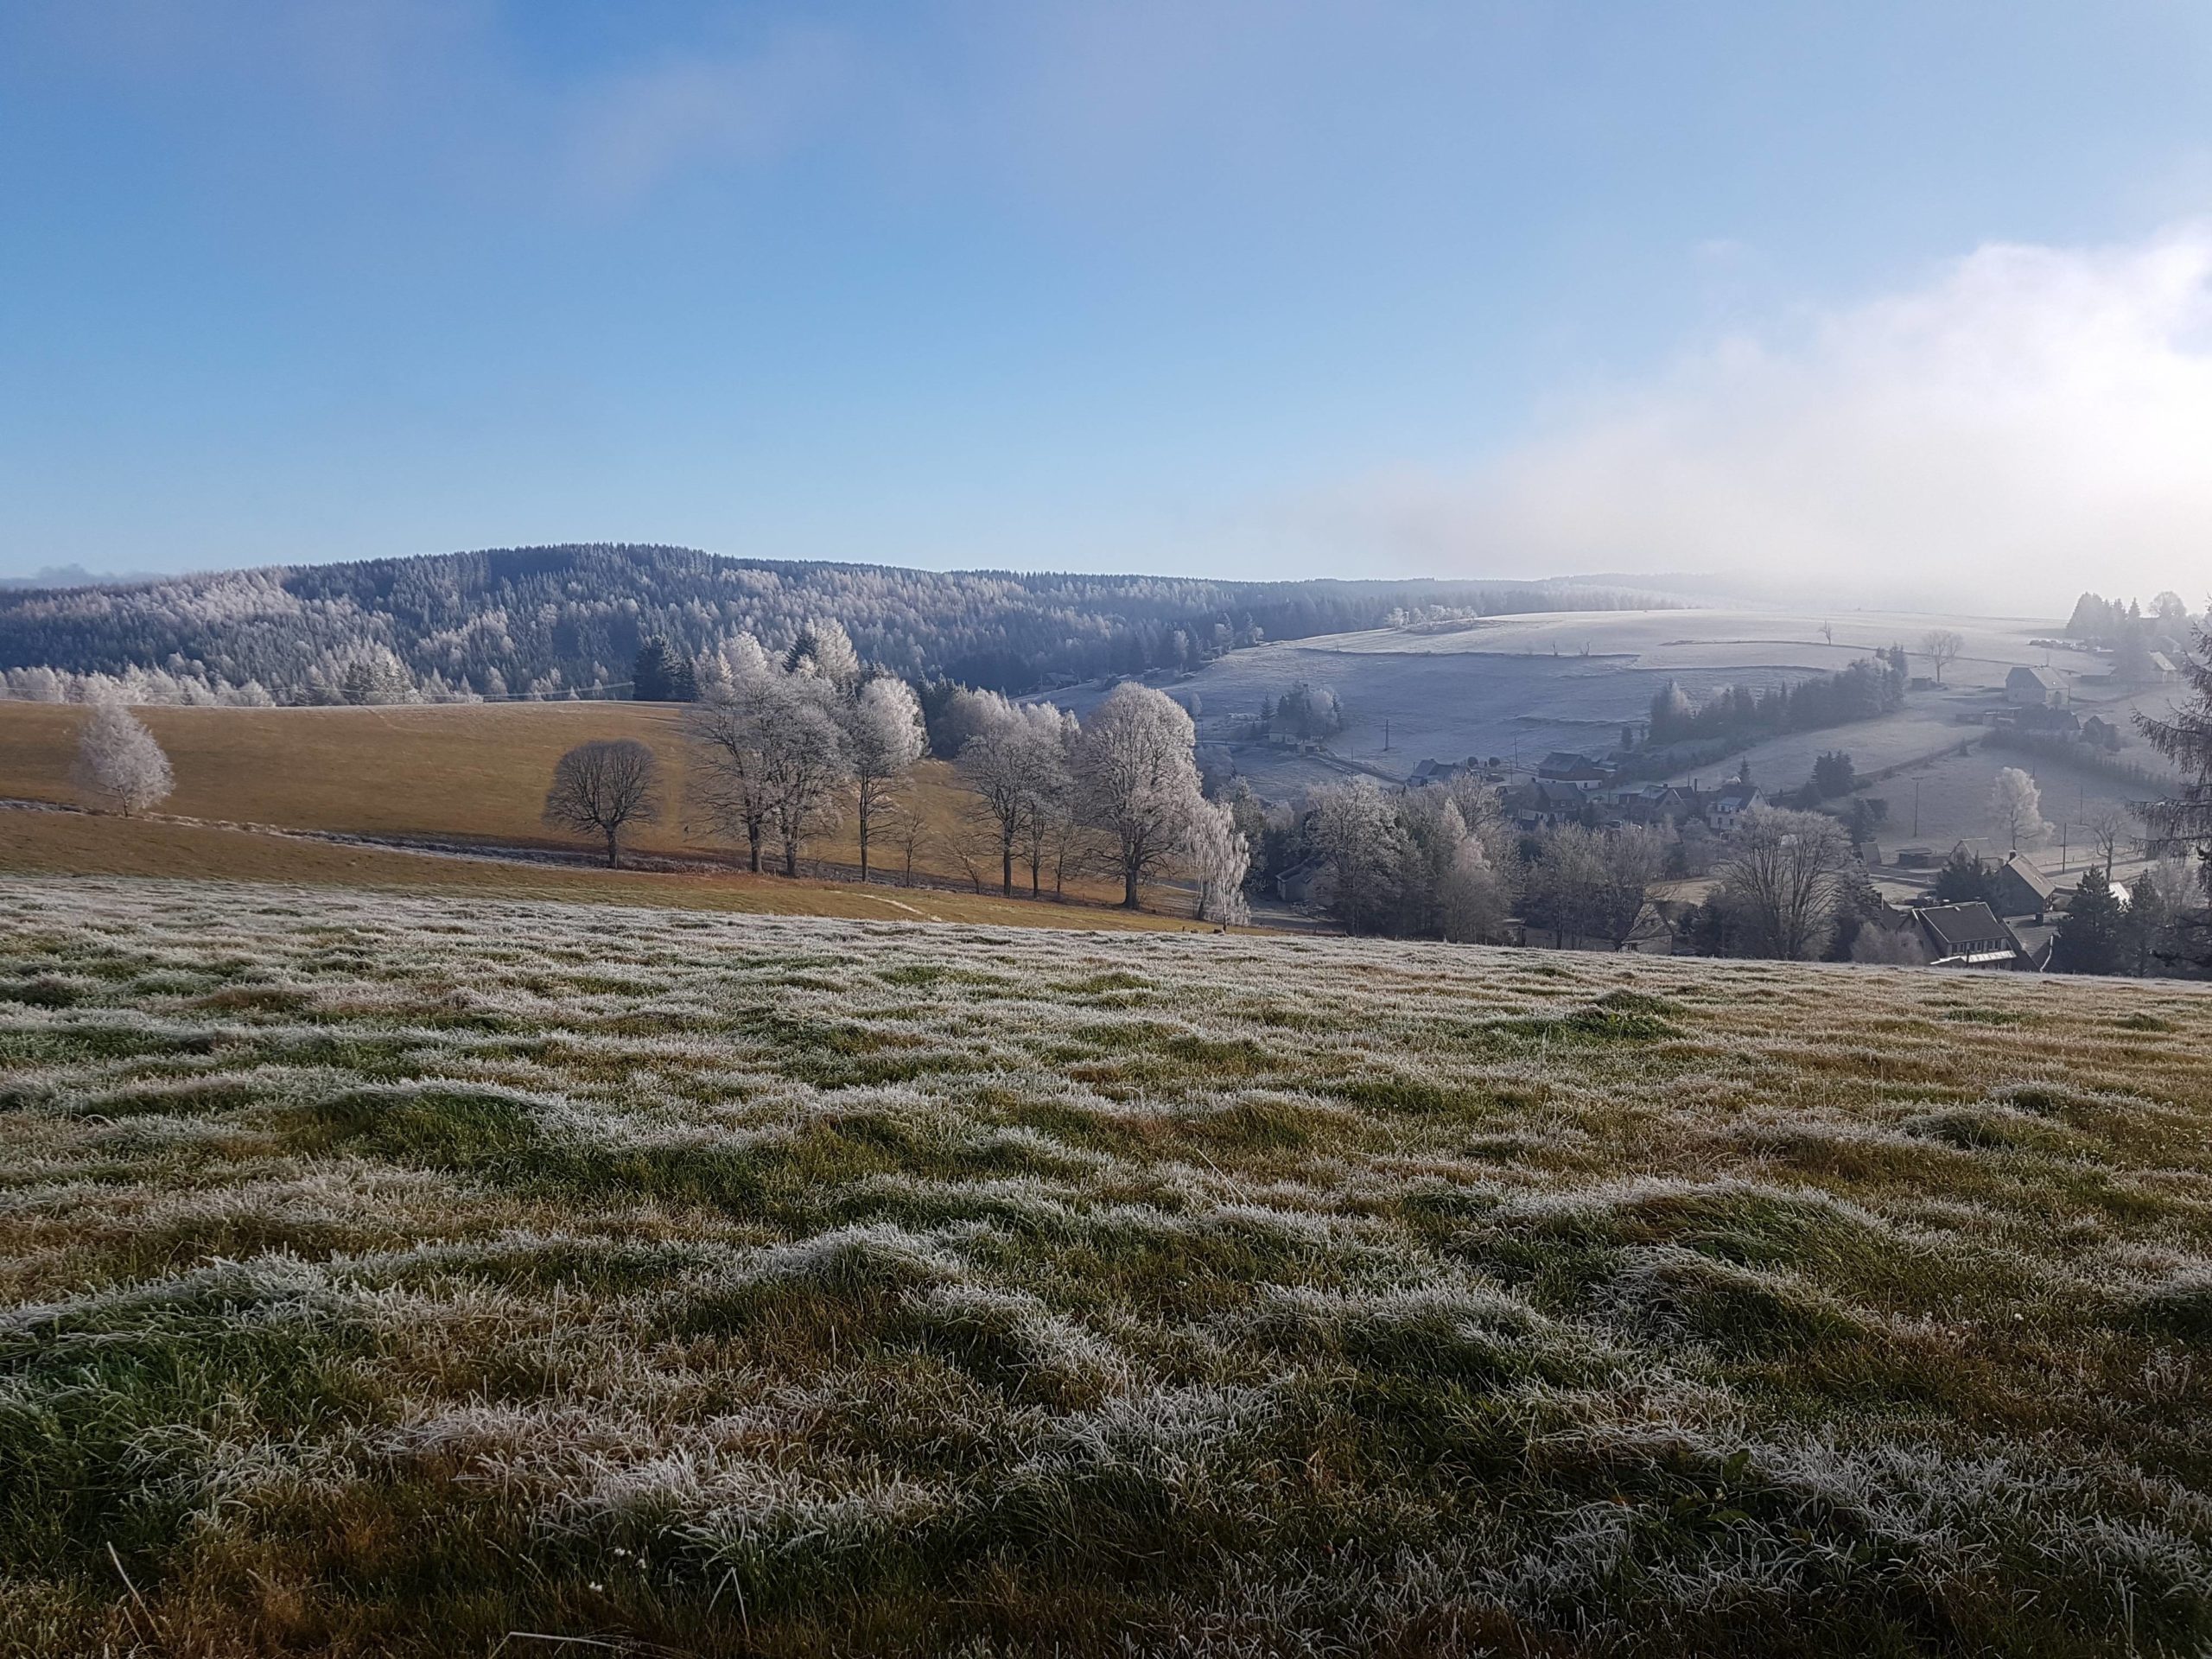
(1567, 763)
(1736, 791)
(1960, 928)
(2026, 870)
(2049, 679)
(1547, 791)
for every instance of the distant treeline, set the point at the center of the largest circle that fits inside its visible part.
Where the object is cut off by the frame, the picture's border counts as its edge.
(1870, 687)
(545, 621)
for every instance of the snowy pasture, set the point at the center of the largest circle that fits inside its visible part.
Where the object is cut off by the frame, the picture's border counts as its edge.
(398, 1276)
(1517, 686)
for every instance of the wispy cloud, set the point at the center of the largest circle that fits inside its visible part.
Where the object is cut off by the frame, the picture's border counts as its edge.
(634, 130)
(2030, 421)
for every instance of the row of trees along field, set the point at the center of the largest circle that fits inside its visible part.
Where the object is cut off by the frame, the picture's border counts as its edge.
(1866, 691)
(783, 748)
(554, 622)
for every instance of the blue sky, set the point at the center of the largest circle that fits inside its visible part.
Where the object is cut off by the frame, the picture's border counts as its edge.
(1245, 289)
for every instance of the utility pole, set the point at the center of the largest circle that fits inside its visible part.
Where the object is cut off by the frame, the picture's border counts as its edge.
(1916, 808)
(1386, 734)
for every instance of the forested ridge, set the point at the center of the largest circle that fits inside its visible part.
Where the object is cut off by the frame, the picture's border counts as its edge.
(547, 621)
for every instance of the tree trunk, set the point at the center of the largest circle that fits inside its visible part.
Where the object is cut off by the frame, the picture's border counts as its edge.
(863, 811)
(791, 857)
(1129, 889)
(613, 861)
(753, 840)
(1006, 867)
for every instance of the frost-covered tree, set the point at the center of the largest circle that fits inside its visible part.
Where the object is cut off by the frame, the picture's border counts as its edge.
(119, 760)
(825, 651)
(1475, 899)
(733, 733)
(1015, 767)
(1219, 857)
(2015, 808)
(771, 758)
(2182, 824)
(883, 739)
(808, 762)
(602, 788)
(1138, 780)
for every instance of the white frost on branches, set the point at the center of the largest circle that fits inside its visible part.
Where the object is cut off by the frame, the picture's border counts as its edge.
(119, 760)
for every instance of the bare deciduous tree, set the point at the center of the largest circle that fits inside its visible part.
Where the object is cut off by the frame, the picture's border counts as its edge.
(732, 732)
(1942, 645)
(910, 834)
(883, 730)
(118, 759)
(601, 787)
(1138, 779)
(1784, 871)
(2109, 829)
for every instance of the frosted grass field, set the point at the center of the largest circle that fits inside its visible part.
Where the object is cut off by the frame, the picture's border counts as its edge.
(393, 1276)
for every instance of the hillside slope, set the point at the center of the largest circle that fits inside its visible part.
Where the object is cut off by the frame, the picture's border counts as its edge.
(390, 1277)
(510, 620)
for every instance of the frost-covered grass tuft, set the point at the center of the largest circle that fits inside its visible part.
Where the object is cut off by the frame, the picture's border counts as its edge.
(387, 1276)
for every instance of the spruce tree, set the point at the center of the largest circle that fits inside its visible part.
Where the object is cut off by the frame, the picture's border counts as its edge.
(2092, 937)
(1964, 880)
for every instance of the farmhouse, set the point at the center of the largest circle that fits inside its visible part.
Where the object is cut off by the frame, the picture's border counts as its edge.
(1545, 804)
(1565, 767)
(1729, 803)
(2018, 887)
(2101, 731)
(2032, 688)
(1648, 932)
(2047, 722)
(1966, 936)
(1443, 772)
(1645, 804)
(1313, 882)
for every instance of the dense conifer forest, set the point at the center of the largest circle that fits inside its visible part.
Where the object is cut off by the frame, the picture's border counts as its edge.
(547, 621)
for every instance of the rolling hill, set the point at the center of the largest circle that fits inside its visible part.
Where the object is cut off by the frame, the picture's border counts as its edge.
(512, 621)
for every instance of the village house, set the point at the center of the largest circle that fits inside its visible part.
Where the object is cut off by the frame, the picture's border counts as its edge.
(1650, 933)
(1309, 885)
(1967, 936)
(1644, 803)
(2018, 886)
(1443, 772)
(2032, 688)
(1730, 802)
(1565, 767)
(1546, 804)
(2101, 731)
(2047, 722)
